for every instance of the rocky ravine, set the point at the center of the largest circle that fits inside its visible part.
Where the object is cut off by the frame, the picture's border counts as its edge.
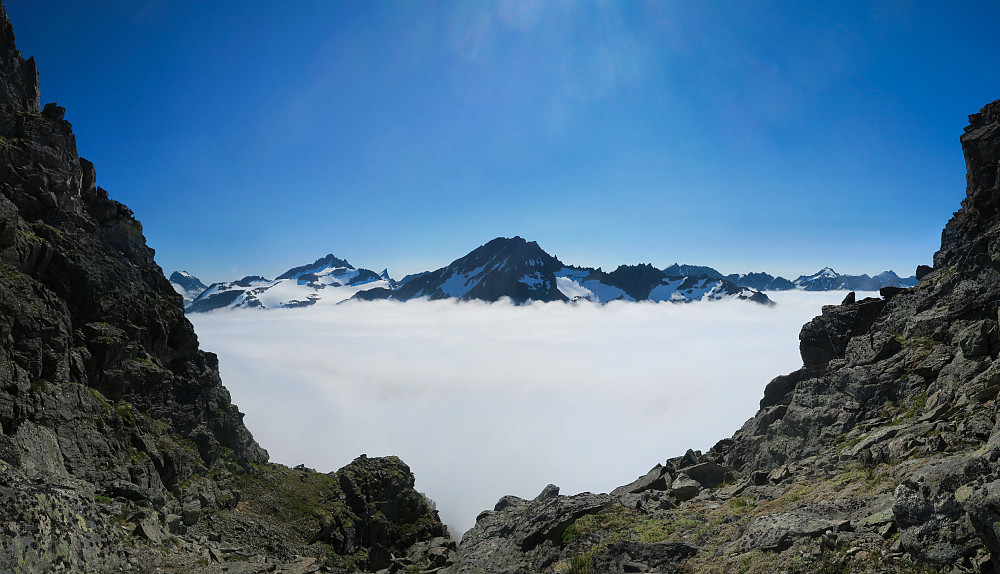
(119, 446)
(881, 454)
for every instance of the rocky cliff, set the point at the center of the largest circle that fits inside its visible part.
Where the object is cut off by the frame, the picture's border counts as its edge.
(881, 454)
(119, 446)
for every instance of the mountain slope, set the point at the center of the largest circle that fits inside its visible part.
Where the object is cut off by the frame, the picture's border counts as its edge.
(881, 454)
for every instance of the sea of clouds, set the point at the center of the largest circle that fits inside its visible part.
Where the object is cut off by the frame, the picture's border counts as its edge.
(483, 400)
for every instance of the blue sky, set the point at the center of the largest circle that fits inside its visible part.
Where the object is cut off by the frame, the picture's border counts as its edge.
(252, 136)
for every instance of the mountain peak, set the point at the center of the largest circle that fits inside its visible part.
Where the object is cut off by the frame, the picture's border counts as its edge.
(330, 261)
(685, 270)
(502, 267)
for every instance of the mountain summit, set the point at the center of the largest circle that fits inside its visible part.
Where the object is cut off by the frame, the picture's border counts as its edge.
(187, 285)
(503, 267)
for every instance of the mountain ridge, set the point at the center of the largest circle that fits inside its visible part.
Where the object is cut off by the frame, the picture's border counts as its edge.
(459, 280)
(329, 280)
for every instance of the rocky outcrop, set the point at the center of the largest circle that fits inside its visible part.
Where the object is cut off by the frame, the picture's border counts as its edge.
(116, 432)
(881, 454)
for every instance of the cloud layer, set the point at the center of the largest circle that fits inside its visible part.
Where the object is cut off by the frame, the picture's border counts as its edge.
(483, 400)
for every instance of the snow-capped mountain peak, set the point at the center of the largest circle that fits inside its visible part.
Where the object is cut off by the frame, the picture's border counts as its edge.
(187, 285)
(504, 267)
(519, 270)
(328, 280)
(322, 266)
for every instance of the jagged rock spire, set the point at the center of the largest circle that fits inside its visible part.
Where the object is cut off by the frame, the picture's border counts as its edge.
(970, 238)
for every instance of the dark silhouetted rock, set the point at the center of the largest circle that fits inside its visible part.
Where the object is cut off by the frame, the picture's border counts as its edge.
(113, 424)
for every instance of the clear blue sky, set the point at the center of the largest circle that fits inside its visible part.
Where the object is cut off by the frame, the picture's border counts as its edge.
(253, 136)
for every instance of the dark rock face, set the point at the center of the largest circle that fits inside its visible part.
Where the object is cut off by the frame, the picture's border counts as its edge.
(84, 303)
(629, 556)
(101, 379)
(111, 418)
(523, 535)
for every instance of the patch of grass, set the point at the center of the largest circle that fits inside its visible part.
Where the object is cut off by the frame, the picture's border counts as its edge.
(100, 398)
(44, 230)
(126, 414)
(38, 386)
(841, 442)
(581, 564)
(889, 409)
(304, 500)
(31, 237)
(570, 534)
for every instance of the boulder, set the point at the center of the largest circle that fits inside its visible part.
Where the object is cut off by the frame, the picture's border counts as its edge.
(685, 488)
(779, 531)
(656, 479)
(710, 474)
(933, 524)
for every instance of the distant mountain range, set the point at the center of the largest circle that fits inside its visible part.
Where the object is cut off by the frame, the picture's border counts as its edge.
(510, 268)
(327, 280)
